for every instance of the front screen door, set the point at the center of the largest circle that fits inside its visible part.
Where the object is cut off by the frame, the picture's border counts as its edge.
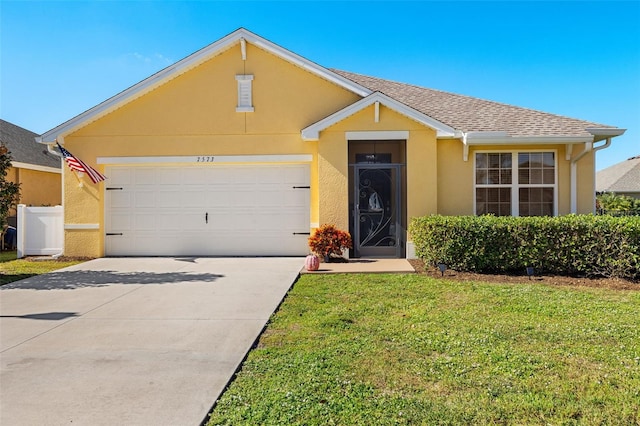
(377, 229)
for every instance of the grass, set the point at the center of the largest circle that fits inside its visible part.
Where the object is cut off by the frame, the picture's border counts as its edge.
(409, 349)
(12, 269)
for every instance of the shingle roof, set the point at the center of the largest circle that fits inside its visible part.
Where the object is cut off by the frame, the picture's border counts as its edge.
(23, 146)
(621, 177)
(470, 114)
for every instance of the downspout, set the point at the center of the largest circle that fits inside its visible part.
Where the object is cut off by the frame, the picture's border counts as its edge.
(588, 146)
(574, 170)
(53, 151)
(596, 149)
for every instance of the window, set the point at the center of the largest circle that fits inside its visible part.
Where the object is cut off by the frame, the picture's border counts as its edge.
(515, 183)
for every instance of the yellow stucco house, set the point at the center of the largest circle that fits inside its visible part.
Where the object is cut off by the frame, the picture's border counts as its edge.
(244, 147)
(33, 167)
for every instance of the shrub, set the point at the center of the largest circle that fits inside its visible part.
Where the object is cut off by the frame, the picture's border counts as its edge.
(583, 245)
(329, 240)
(611, 203)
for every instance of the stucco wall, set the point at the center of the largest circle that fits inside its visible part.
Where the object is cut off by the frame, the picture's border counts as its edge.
(455, 177)
(195, 114)
(421, 165)
(37, 188)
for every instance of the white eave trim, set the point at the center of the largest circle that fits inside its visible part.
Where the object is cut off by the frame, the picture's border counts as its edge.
(384, 135)
(312, 132)
(605, 132)
(35, 167)
(502, 138)
(185, 65)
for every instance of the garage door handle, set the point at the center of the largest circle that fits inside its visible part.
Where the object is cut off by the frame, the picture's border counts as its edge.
(206, 217)
(301, 187)
(302, 233)
(114, 233)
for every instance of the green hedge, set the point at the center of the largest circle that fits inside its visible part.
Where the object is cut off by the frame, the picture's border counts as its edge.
(577, 245)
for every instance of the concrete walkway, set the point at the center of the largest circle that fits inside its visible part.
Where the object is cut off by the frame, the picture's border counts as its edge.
(132, 341)
(366, 266)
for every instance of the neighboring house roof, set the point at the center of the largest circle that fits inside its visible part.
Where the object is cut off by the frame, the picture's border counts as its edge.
(469, 114)
(621, 177)
(24, 149)
(475, 121)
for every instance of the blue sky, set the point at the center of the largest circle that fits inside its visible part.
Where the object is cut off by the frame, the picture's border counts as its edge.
(573, 58)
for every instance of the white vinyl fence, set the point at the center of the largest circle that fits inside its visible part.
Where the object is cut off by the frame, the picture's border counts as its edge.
(40, 230)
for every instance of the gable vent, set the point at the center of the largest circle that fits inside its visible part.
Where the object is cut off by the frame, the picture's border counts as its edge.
(245, 103)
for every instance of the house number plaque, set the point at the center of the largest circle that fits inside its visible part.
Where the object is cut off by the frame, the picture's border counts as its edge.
(205, 159)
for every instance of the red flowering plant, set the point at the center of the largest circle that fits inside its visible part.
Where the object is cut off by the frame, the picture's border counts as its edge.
(328, 241)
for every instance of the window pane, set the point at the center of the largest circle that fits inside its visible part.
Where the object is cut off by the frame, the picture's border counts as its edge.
(494, 161)
(495, 201)
(535, 194)
(535, 201)
(548, 176)
(505, 161)
(481, 195)
(535, 176)
(535, 159)
(481, 177)
(523, 176)
(481, 209)
(548, 160)
(523, 160)
(494, 176)
(481, 161)
(505, 195)
(505, 176)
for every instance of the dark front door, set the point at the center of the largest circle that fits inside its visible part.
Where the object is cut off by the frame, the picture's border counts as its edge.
(376, 226)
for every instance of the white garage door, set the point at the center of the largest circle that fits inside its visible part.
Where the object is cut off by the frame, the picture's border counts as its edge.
(214, 210)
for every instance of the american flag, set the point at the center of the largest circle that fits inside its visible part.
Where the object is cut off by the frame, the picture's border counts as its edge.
(78, 165)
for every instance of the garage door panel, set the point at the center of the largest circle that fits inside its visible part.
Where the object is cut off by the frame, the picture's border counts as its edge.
(250, 210)
(120, 199)
(166, 220)
(120, 222)
(194, 175)
(145, 176)
(170, 176)
(146, 221)
(295, 197)
(144, 199)
(120, 177)
(297, 174)
(169, 197)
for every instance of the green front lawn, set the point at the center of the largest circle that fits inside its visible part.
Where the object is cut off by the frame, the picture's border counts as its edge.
(12, 269)
(409, 349)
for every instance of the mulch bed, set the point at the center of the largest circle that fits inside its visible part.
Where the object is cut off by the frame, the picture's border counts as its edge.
(609, 283)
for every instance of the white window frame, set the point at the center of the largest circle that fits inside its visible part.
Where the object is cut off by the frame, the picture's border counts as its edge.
(515, 184)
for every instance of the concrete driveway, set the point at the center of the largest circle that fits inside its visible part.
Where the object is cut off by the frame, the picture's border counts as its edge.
(132, 341)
